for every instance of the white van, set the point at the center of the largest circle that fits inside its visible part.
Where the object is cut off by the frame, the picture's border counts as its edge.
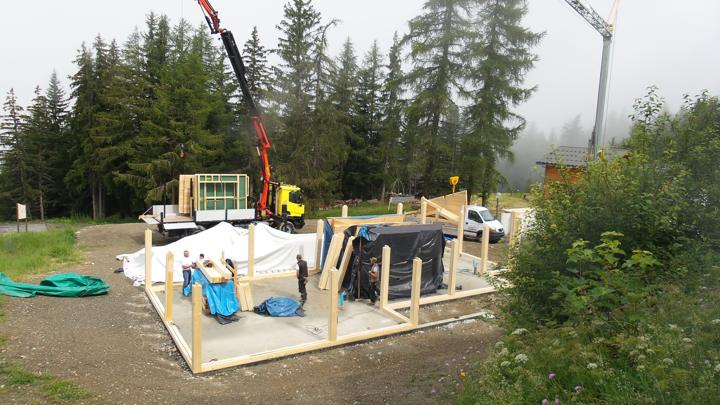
(475, 217)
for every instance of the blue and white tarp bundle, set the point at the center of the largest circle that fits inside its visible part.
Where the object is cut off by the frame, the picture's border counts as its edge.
(279, 307)
(275, 252)
(221, 297)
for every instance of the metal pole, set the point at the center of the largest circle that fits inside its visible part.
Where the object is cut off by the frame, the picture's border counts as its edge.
(598, 134)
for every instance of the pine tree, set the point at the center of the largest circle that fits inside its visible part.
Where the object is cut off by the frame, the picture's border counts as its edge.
(15, 164)
(436, 39)
(59, 146)
(38, 147)
(391, 127)
(256, 64)
(498, 59)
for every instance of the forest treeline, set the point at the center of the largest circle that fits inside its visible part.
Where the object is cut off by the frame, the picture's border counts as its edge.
(138, 113)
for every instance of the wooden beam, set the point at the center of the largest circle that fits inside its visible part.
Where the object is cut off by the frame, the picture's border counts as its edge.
(423, 210)
(434, 299)
(333, 311)
(454, 256)
(245, 297)
(398, 316)
(346, 257)
(318, 243)
(415, 292)
(400, 209)
(440, 211)
(385, 276)
(461, 229)
(344, 213)
(169, 285)
(331, 260)
(196, 328)
(251, 250)
(485, 249)
(216, 272)
(148, 259)
(171, 328)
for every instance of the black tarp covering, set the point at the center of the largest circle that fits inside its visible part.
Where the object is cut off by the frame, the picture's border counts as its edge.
(406, 243)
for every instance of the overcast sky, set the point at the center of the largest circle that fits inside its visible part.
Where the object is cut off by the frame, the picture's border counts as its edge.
(669, 43)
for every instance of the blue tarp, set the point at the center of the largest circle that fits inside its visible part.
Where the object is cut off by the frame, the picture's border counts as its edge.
(220, 297)
(278, 306)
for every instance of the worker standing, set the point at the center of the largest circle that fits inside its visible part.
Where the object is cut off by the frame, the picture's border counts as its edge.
(302, 275)
(187, 265)
(374, 276)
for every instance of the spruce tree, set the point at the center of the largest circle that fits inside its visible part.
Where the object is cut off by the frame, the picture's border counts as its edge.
(499, 56)
(15, 164)
(38, 147)
(436, 40)
(392, 120)
(58, 145)
(256, 64)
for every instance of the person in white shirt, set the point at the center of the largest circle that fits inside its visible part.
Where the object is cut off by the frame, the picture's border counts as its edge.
(187, 266)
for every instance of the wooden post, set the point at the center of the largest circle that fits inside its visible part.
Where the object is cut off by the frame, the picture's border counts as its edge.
(251, 251)
(423, 210)
(196, 328)
(461, 229)
(415, 292)
(344, 211)
(454, 253)
(333, 315)
(346, 257)
(513, 227)
(400, 208)
(385, 276)
(148, 259)
(485, 249)
(318, 243)
(169, 285)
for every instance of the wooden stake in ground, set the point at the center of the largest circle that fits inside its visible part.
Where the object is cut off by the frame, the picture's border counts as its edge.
(318, 244)
(196, 328)
(344, 212)
(251, 251)
(415, 292)
(485, 249)
(461, 229)
(169, 285)
(148, 259)
(333, 314)
(385, 276)
(400, 208)
(423, 210)
(454, 253)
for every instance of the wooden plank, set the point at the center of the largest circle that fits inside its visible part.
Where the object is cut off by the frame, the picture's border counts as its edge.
(339, 225)
(440, 211)
(400, 209)
(461, 229)
(169, 285)
(196, 328)
(346, 257)
(216, 273)
(423, 210)
(251, 250)
(245, 297)
(333, 310)
(433, 299)
(485, 249)
(185, 194)
(452, 282)
(415, 292)
(450, 202)
(148, 258)
(385, 276)
(171, 328)
(318, 243)
(398, 316)
(331, 260)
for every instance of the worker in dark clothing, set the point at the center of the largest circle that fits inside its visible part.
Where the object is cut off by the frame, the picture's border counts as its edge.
(374, 277)
(302, 275)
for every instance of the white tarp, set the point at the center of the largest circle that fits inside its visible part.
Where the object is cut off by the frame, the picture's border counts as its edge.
(275, 251)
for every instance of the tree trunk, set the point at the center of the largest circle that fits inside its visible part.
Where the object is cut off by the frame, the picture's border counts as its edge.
(42, 203)
(94, 201)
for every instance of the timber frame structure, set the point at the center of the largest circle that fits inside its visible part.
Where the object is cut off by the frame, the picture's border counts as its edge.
(330, 279)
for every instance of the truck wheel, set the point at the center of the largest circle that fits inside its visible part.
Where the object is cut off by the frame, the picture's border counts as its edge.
(479, 236)
(288, 227)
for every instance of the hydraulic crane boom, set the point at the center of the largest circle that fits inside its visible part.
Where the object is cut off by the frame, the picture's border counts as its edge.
(263, 143)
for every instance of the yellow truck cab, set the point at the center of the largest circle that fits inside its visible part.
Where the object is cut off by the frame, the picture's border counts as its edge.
(289, 201)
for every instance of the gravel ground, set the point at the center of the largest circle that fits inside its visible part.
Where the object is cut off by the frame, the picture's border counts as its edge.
(116, 347)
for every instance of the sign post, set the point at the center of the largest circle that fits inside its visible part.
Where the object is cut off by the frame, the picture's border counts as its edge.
(22, 214)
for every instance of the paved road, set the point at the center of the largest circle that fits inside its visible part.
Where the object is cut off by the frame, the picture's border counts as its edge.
(12, 227)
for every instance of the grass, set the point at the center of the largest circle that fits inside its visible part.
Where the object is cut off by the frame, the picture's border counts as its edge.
(364, 208)
(86, 220)
(27, 253)
(49, 387)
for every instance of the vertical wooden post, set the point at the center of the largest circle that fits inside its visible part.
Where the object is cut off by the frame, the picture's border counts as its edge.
(400, 209)
(454, 253)
(169, 285)
(485, 249)
(344, 211)
(513, 227)
(196, 328)
(148, 259)
(319, 243)
(333, 315)
(461, 229)
(415, 292)
(251, 251)
(385, 276)
(423, 210)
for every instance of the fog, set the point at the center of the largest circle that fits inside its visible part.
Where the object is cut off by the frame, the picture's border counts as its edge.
(668, 43)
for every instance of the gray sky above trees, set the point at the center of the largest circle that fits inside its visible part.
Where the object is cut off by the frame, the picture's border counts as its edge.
(668, 43)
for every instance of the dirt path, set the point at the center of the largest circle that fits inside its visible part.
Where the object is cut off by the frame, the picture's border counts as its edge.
(116, 347)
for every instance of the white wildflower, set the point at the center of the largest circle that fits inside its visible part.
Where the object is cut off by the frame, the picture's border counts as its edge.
(707, 363)
(499, 345)
(504, 352)
(672, 326)
(715, 322)
(521, 358)
(650, 351)
(520, 331)
(640, 368)
(642, 347)
(667, 361)
(717, 368)
(592, 366)
(505, 364)
(687, 340)
(633, 353)
(641, 357)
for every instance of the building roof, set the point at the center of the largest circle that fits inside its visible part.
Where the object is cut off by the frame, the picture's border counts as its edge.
(574, 156)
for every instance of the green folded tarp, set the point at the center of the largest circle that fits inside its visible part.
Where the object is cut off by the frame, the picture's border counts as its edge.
(58, 285)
